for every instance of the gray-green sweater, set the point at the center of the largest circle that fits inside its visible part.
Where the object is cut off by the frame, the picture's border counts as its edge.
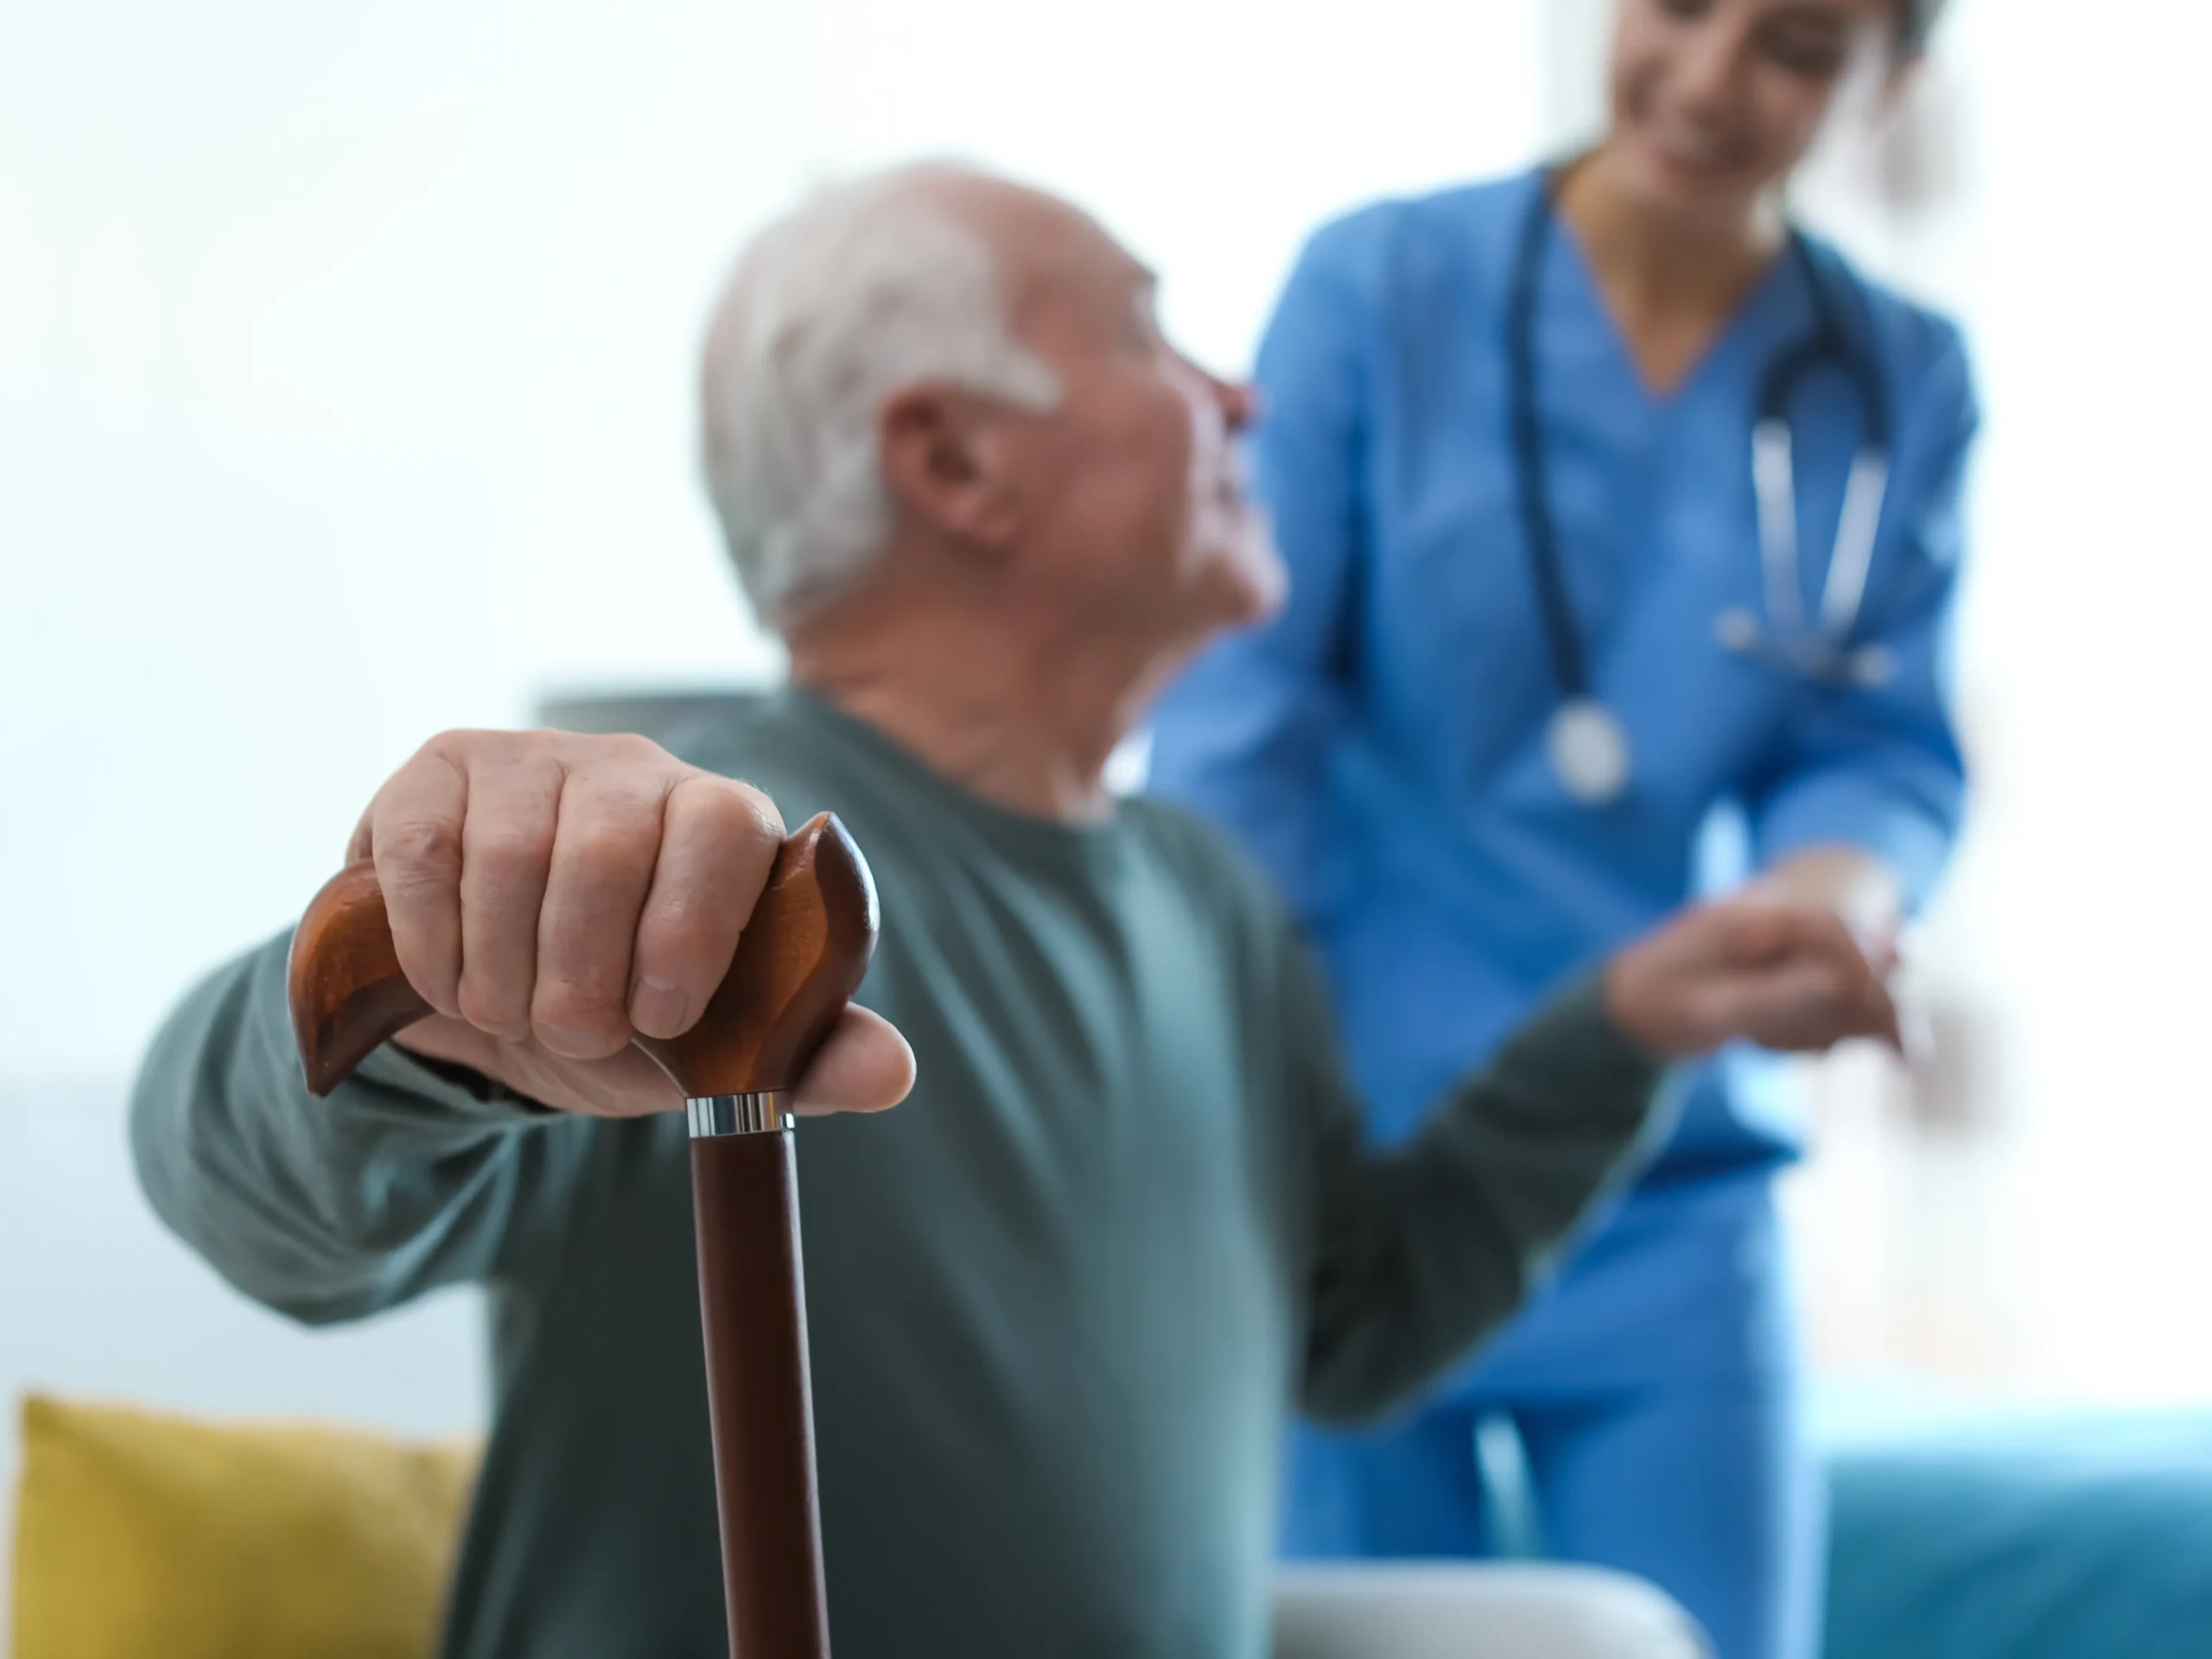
(1062, 1300)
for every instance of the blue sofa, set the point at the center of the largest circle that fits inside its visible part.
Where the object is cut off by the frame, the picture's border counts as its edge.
(2020, 1536)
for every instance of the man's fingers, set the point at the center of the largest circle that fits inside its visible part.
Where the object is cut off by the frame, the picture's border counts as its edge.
(718, 841)
(1773, 1007)
(413, 830)
(1767, 931)
(506, 849)
(1798, 935)
(362, 842)
(1807, 1005)
(866, 1066)
(1758, 930)
(550, 895)
(604, 847)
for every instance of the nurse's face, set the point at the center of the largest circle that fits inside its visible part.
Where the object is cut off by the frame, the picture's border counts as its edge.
(1714, 101)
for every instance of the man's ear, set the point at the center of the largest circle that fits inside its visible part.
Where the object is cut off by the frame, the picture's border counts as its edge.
(945, 462)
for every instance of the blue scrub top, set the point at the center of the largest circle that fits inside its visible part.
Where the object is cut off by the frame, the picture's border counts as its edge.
(1380, 744)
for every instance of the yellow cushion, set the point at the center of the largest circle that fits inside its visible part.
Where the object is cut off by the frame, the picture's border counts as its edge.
(139, 1536)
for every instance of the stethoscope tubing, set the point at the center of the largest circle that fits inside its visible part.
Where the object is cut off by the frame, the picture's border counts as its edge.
(1819, 648)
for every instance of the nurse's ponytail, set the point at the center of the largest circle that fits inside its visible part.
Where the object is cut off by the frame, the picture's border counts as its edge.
(1915, 22)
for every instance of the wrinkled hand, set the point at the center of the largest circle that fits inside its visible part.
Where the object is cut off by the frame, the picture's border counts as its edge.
(551, 894)
(1787, 976)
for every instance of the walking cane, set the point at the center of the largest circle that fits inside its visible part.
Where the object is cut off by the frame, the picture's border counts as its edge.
(802, 956)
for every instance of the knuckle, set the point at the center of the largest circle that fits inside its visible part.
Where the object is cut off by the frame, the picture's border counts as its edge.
(490, 1006)
(677, 931)
(417, 857)
(747, 812)
(582, 1006)
(458, 748)
(502, 850)
(607, 845)
(447, 745)
(610, 752)
(594, 987)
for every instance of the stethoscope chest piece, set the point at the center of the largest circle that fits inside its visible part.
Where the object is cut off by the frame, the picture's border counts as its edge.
(1589, 751)
(1737, 630)
(1587, 745)
(1738, 633)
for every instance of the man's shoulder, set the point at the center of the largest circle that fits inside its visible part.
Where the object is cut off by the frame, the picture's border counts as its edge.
(750, 736)
(1221, 878)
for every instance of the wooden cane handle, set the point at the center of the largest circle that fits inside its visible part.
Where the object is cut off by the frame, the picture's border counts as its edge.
(804, 952)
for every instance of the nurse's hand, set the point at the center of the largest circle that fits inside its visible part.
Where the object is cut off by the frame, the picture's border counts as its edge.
(551, 895)
(1751, 969)
(1849, 881)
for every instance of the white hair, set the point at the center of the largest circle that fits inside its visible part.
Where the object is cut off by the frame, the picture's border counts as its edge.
(868, 287)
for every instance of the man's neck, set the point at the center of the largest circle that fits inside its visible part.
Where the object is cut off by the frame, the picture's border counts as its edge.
(1022, 716)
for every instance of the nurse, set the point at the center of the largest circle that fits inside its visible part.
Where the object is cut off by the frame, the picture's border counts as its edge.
(1623, 522)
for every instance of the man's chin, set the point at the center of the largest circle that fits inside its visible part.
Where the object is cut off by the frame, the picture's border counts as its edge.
(1247, 581)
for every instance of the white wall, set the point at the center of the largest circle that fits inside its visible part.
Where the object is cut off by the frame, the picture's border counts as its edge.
(346, 358)
(2066, 1256)
(2083, 895)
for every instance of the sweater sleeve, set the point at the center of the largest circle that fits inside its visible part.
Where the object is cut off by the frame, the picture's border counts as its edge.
(1419, 1252)
(410, 1176)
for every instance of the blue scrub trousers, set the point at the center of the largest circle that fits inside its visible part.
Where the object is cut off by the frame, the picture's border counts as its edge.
(1683, 1461)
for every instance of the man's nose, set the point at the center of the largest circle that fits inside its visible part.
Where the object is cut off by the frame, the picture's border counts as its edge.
(1238, 403)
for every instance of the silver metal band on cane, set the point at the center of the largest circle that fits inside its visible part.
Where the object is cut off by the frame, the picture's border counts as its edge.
(762, 1113)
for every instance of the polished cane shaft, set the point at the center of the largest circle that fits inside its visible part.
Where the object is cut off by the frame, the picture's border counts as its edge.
(803, 953)
(751, 1290)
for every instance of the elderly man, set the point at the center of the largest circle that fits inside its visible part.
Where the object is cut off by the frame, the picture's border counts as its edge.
(1062, 1300)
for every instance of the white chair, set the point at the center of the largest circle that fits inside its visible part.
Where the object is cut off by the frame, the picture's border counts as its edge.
(1483, 1611)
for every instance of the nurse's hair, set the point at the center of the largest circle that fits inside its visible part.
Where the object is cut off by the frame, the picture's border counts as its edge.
(868, 287)
(1915, 22)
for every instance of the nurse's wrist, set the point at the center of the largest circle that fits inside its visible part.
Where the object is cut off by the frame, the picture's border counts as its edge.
(1850, 882)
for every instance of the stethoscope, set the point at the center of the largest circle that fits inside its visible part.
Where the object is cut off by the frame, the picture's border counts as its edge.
(1586, 743)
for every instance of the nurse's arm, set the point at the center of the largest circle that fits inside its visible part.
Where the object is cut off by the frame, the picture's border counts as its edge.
(1859, 800)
